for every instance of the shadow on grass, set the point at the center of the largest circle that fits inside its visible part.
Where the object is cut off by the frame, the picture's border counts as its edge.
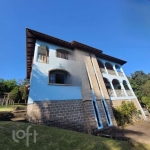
(54, 138)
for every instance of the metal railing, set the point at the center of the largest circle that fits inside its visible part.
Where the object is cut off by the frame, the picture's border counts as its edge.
(120, 93)
(129, 92)
(120, 74)
(43, 59)
(112, 72)
(102, 70)
(111, 92)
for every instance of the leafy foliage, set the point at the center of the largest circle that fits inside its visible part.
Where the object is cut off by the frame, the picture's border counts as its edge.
(16, 88)
(146, 101)
(146, 88)
(7, 85)
(14, 94)
(23, 92)
(124, 112)
(140, 83)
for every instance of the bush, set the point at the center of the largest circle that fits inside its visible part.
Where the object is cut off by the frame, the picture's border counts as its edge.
(146, 101)
(124, 113)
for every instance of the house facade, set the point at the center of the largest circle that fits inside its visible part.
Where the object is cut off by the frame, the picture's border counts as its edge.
(72, 85)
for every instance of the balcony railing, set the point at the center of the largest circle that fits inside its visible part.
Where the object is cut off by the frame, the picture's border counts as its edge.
(129, 93)
(110, 92)
(120, 74)
(120, 93)
(102, 70)
(112, 72)
(43, 59)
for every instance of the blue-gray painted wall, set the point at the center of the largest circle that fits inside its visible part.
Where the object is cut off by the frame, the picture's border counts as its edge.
(40, 89)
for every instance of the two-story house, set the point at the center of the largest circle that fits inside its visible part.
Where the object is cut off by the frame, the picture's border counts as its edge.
(73, 85)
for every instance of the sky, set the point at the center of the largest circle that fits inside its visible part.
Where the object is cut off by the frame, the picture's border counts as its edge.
(120, 28)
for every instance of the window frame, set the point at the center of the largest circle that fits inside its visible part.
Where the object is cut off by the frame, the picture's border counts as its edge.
(44, 58)
(58, 71)
(60, 53)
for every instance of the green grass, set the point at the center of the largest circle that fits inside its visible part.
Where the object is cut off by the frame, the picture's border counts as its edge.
(10, 107)
(50, 138)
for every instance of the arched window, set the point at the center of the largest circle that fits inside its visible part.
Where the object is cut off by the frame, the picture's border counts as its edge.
(119, 70)
(101, 66)
(108, 87)
(110, 68)
(125, 85)
(116, 84)
(61, 53)
(43, 54)
(107, 83)
(127, 88)
(117, 87)
(59, 77)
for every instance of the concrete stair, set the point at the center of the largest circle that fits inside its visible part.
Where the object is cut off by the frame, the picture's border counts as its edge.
(19, 114)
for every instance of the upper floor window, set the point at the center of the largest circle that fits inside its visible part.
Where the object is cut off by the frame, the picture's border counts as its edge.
(60, 53)
(43, 54)
(110, 69)
(101, 66)
(120, 73)
(58, 77)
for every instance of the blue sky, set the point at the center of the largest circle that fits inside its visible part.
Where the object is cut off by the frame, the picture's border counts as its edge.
(120, 28)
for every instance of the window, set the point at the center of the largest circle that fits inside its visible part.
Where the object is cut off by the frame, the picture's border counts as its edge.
(62, 54)
(58, 77)
(43, 54)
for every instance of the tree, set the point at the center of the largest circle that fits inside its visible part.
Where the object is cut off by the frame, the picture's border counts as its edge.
(146, 101)
(16, 88)
(7, 85)
(137, 80)
(146, 88)
(146, 94)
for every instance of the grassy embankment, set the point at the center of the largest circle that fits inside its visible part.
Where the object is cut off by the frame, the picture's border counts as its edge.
(50, 138)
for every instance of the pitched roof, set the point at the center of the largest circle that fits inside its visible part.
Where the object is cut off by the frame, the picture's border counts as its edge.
(32, 35)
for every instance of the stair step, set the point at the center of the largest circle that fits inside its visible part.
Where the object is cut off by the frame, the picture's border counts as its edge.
(18, 119)
(18, 111)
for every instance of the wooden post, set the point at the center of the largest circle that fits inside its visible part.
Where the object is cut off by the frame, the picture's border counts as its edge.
(3, 100)
(7, 99)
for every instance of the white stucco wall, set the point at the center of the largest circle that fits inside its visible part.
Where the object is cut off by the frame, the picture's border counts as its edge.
(41, 90)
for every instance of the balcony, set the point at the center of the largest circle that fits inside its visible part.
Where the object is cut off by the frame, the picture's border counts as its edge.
(120, 74)
(43, 59)
(129, 93)
(110, 93)
(112, 72)
(102, 70)
(120, 93)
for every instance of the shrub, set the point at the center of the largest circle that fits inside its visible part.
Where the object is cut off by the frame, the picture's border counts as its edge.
(124, 113)
(146, 101)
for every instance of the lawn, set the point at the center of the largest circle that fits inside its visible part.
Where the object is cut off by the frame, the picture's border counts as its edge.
(10, 107)
(50, 138)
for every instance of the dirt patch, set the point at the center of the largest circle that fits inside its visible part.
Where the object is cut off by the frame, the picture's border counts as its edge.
(136, 132)
(139, 132)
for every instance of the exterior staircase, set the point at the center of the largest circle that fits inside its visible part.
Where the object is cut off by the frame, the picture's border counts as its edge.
(19, 114)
